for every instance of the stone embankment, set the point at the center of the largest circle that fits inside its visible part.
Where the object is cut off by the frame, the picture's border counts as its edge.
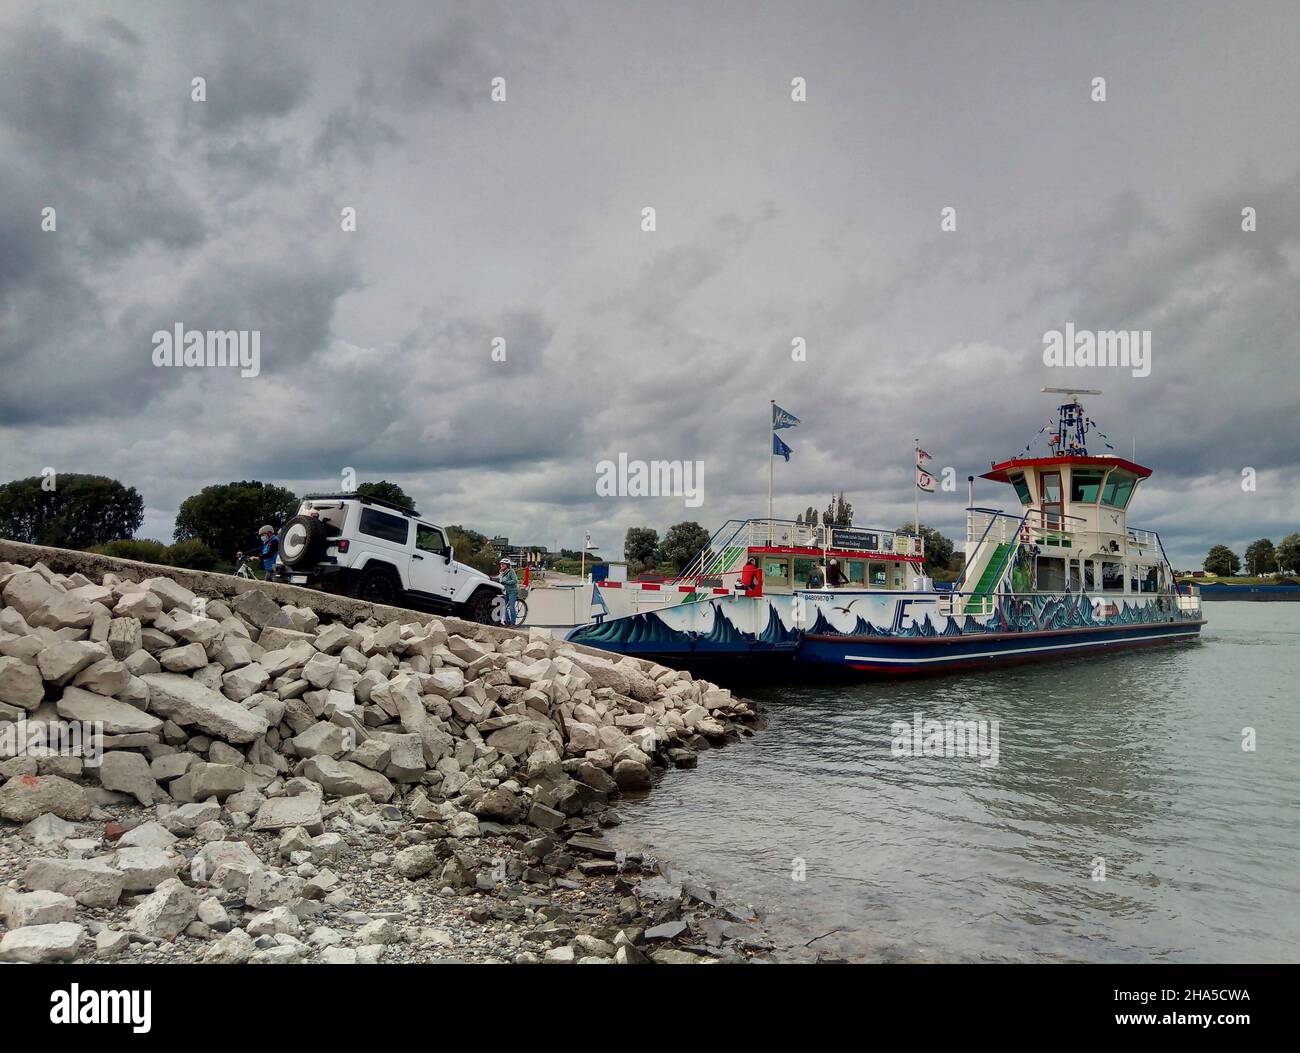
(199, 768)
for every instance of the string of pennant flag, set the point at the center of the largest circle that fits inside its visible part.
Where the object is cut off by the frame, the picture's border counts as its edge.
(782, 419)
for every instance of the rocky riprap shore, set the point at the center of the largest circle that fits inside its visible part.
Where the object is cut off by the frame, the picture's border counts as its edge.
(272, 787)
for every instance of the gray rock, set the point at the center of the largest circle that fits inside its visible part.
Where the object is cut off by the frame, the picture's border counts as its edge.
(61, 661)
(48, 829)
(247, 680)
(145, 868)
(284, 813)
(498, 806)
(118, 718)
(27, 591)
(36, 944)
(215, 780)
(147, 835)
(62, 611)
(166, 912)
(91, 882)
(259, 610)
(417, 860)
(345, 778)
(191, 704)
(128, 773)
(171, 594)
(21, 684)
(124, 637)
(25, 797)
(184, 659)
(37, 908)
(234, 948)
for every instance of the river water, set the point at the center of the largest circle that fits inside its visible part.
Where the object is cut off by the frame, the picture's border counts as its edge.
(1128, 767)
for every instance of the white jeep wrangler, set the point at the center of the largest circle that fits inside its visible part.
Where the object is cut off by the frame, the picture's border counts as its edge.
(383, 553)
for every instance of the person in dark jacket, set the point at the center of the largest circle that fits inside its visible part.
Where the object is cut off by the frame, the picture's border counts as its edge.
(834, 576)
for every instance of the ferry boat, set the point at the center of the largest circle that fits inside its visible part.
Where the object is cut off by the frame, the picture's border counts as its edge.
(1061, 574)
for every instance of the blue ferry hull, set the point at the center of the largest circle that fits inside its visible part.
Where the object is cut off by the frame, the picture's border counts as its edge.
(871, 635)
(876, 656)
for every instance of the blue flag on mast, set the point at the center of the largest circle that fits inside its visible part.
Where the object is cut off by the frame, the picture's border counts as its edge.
(783, 419)
(778, 447)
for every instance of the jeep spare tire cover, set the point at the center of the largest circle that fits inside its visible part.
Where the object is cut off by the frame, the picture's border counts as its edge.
(302, 542)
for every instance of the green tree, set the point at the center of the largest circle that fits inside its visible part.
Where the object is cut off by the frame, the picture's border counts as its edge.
(386, 491)
(938, 549)
(1288, 554)
(838, 513)
(226, 517)
(473, 549)
(640, 545)
(1261, 558)
(682, 543)
(69, 511)
(1222, 561)
(808, 516)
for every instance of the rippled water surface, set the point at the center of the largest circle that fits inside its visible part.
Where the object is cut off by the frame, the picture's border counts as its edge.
(1135, 759)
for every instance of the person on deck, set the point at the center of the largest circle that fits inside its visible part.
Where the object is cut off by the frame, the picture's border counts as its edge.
(751, 578)
(510, 585)
(834, 576)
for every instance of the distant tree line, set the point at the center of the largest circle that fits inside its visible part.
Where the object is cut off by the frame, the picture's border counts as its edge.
(101, 514)
(1262, 557)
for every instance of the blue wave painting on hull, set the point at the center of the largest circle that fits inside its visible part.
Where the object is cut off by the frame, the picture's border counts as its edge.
(1048, 613)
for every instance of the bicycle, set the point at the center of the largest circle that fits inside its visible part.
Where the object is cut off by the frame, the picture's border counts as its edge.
(499, 610)
(242, 569)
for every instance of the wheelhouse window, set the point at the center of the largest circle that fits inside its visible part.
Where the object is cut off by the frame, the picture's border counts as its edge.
(1022, 487)
(1112, 577)
(776, 571)
(384, 526)
(1119, 488)
(1085, 485)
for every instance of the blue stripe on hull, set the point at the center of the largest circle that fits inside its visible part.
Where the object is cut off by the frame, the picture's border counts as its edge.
(894, 657)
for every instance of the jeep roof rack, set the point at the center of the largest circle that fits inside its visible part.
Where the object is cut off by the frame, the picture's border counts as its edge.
(364, 500)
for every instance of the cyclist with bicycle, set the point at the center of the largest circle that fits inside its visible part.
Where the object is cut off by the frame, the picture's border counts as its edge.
(510, 586)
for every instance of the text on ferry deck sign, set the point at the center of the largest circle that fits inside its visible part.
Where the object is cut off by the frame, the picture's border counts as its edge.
(858, 540)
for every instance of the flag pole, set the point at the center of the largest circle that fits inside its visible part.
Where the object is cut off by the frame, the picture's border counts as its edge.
(771, 458)
(916, 495)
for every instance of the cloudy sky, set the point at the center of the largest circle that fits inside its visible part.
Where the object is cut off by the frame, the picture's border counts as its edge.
(776, 220)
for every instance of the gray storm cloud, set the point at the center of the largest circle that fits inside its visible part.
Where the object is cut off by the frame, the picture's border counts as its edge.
(776, 220)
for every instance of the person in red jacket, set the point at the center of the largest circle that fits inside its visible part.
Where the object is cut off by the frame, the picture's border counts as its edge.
(751, 578)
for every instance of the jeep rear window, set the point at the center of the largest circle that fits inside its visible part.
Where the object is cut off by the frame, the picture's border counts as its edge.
(382, 525)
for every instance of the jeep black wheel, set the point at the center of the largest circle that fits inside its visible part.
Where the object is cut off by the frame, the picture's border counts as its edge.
(378, 586)
(480, 608)
(302, 542)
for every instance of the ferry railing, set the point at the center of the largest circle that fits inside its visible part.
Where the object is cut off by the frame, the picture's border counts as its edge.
(699, 564)
(1141, 539)
(770, 532)
(1009, 530)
